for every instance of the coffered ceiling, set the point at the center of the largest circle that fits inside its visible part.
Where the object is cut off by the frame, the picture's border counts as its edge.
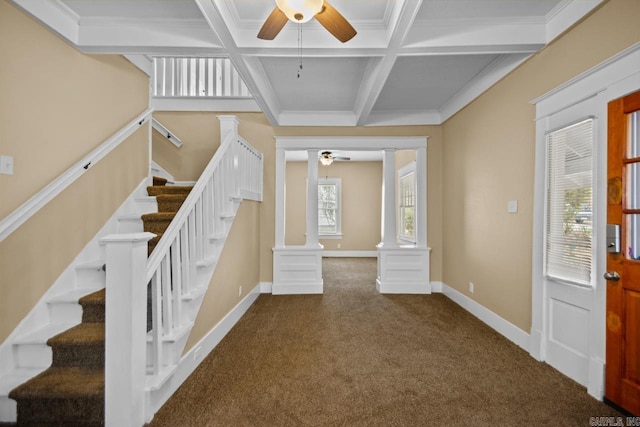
(412, 61)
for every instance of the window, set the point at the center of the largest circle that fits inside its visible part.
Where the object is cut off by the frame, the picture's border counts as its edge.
(407, 202)
(329, 207)
(568, 225)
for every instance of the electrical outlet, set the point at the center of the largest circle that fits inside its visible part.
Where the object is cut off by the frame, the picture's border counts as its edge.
(338, 245)
(239, 291)
(6, 165)
(471, 287)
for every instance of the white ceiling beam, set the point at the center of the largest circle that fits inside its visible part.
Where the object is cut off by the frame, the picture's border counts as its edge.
(497, 49)
(250, 70)
(379, 71)
(144, 35)
(567, 14)
(55, 15)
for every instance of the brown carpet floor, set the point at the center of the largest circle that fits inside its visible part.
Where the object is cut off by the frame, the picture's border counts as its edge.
(353, 357)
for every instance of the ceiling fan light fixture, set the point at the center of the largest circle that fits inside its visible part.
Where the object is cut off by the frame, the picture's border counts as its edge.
(326, 158)
(300, 11)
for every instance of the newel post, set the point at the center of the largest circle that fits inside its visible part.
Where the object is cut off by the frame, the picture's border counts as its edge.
(125, 328)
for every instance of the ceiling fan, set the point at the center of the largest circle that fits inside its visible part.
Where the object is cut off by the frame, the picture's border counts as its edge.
(327, 157)
(301, 11)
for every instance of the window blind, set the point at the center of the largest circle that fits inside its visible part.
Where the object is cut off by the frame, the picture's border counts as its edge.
(569, 203)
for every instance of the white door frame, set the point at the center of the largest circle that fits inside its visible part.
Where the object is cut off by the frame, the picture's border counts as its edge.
(596, 87)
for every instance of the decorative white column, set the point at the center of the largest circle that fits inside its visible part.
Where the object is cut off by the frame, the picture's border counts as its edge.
(125, 328)
(297, 269)
(388, 226)
(280, 197)
(403, 269)
(421, 199)
(312, 199)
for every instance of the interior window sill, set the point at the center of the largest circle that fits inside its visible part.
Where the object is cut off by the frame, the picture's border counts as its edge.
(330, 236)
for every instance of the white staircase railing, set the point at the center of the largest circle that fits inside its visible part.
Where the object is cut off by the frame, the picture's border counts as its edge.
(197, 77)
(177, 273)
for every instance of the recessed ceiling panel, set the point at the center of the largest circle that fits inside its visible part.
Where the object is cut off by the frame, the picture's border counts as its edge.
(140, 9)
(325, 84)
(428, 82)
(461, 9)
(358, 10)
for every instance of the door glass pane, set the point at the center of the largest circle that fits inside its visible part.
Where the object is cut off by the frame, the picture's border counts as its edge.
(632, 199)
(634, 141)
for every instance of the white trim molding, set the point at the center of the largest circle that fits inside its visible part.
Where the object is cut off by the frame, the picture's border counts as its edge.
(349, 254)
(500, 325)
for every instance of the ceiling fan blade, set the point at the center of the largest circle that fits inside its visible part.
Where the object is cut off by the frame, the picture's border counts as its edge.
(341, 158)
(272, 26)
(335, 23)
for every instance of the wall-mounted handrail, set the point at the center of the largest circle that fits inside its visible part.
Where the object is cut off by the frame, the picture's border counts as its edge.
(29, 208)
(164, 131)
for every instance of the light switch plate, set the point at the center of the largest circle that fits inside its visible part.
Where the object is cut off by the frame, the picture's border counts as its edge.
(6, 165)
(512, 206)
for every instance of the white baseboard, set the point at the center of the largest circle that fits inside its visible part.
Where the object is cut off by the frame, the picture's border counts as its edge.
(504, 327)
(265, 287)
(298, 288)
(403, 287)
(595, 385)
(350, 254)
(190, 361)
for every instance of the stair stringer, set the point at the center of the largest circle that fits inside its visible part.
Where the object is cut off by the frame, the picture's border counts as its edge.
(25, 353)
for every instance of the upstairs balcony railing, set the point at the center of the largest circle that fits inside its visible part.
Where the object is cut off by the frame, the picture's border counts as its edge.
(197, 78)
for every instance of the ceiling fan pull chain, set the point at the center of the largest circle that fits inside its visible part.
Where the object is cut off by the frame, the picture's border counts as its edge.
(300, 48)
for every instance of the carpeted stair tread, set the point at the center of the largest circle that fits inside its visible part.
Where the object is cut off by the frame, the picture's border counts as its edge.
(153, 242)
(81, 346)
(158, 216)
(157, 222)
(97, 297)
(93, 307)
(81, 334)
(55, 383)
(168, 189)
(157, 181)
(170, 202)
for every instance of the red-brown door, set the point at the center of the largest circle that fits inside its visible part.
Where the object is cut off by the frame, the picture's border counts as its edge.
(622, 385)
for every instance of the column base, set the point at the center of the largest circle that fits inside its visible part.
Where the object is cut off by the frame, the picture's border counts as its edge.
(297, 270)
(403, 270)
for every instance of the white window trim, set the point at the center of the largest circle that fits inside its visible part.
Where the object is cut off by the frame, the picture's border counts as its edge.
(563, 121)
(338, 183)
(402, 172)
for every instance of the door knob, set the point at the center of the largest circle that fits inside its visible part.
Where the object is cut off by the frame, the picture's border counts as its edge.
(612, 275)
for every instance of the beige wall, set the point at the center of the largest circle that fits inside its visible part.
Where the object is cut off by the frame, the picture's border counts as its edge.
(56, 106)
(489, 160)
(232, 272)
(361, 204)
